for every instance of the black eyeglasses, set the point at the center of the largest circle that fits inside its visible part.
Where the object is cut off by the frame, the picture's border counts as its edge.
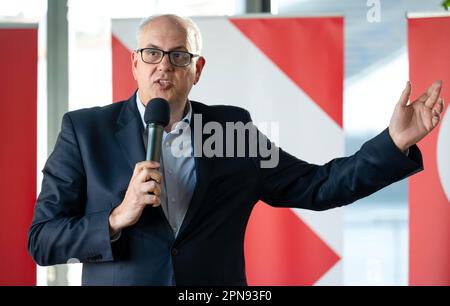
(176, 58)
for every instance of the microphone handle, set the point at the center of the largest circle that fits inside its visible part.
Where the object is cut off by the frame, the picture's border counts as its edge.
(154, 142)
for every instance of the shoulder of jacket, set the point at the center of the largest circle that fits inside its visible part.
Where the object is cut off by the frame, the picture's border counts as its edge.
(227, 112)
(96, 112)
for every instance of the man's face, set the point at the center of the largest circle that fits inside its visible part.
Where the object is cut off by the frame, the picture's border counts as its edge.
(164, 80)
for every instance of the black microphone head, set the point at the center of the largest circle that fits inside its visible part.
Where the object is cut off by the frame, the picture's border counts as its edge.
(157, 112)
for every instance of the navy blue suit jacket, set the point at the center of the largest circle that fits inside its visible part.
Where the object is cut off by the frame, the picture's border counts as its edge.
(88, 172)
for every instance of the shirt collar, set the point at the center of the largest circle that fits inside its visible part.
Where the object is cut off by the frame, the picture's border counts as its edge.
(141, 108)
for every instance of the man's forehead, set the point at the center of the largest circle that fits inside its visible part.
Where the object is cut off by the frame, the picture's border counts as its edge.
(157, 33)
(167, 25)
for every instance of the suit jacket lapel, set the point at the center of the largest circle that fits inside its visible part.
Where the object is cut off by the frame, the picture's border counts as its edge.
(129, 132)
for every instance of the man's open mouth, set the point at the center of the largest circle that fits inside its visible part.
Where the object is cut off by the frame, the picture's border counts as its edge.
(164, 84)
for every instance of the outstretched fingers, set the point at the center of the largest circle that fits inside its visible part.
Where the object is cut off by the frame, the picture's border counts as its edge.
(433, 97)
(437, 111)
(404, 98)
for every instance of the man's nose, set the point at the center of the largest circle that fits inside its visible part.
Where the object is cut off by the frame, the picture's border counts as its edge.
(165, 63)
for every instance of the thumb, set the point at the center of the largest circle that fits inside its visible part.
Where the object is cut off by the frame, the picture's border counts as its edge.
(404, 98)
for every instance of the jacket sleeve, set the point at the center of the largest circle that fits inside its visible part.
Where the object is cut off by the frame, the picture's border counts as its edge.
(60, 229)
(296, 183)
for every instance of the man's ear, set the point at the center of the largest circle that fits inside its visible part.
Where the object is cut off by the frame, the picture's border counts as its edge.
(198, 68)
(134, 63)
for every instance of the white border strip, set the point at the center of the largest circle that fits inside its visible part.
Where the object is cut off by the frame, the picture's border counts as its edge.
(427, 14)
(272, 16)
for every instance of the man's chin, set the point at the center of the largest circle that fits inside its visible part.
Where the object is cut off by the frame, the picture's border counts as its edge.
(162, 95)
(165, 94)
(169, 98)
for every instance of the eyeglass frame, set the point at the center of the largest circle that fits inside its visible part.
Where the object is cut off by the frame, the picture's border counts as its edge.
(191, 55)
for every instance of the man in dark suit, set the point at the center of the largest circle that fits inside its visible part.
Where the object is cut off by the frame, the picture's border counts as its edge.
(182, 221)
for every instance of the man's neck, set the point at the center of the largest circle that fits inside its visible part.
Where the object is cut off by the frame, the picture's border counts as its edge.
(176, 114)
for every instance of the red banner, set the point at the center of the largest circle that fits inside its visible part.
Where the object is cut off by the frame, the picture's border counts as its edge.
(18, 126)
(429, 194)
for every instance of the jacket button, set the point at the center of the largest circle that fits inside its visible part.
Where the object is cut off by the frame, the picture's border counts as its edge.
(174, 252)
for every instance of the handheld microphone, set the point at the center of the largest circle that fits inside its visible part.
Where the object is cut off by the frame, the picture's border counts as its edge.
(156, 117)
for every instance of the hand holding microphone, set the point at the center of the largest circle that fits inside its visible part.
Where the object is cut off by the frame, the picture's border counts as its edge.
(144, 187)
